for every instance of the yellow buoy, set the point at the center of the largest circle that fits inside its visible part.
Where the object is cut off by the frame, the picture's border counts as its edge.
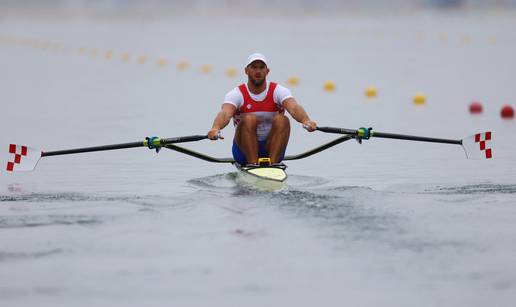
(206, 68)
(109, 55)
(142, 59)
(329, 86)
(293, 80)
(162, 62)
(371, 92)
(124, 56)
(93, 52)
(231, 72)
(183, 65)
(419, 98)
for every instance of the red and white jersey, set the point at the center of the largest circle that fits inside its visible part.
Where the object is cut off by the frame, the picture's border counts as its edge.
(264, 105)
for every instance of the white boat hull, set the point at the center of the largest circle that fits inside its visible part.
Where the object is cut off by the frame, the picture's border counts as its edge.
(267, 178)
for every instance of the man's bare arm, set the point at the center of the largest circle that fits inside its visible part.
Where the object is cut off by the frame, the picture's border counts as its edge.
(221, 120)
(298, 113)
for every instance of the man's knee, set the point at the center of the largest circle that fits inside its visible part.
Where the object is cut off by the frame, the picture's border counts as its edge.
(249, 121)
(280, 121)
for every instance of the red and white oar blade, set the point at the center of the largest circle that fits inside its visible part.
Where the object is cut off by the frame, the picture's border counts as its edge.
(22, 158)
(479, 146)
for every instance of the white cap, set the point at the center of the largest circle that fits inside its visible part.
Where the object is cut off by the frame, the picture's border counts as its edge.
(256, 56)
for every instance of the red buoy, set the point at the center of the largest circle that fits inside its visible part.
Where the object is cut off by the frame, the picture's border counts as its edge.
(475, 108)
(507, 112)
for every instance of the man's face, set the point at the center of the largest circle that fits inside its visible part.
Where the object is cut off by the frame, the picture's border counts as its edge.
(257, 72)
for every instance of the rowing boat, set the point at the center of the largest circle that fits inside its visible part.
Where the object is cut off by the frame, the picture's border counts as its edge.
(264, 175)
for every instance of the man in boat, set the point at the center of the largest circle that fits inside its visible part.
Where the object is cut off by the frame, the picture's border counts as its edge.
(258, 111)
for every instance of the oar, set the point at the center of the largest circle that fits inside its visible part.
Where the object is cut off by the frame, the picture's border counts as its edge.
(25, 158)
(477, 146)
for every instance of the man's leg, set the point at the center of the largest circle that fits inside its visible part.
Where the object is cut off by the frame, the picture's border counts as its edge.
(278, 137)
(245, 137)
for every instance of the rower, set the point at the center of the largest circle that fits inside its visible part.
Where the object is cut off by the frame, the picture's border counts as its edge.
(258, 111)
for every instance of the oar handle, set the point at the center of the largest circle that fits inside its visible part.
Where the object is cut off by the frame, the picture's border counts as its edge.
(390, 135)
(337, 130)
(182, 139)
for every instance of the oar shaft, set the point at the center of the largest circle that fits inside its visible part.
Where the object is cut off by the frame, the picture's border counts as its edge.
(390, 135)
(91, 149)
(414, 138)
(163, 142)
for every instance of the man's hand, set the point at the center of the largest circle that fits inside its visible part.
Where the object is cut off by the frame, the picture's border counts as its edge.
(310, 125)
(214, 134)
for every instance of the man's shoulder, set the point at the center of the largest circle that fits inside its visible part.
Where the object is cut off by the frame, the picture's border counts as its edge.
(281, 93)
(234, 96)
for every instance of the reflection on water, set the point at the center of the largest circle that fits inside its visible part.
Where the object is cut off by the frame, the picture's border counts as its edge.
(353, 212)
(230, 182)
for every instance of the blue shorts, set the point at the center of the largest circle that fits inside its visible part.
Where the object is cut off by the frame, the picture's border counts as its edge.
(239, 155)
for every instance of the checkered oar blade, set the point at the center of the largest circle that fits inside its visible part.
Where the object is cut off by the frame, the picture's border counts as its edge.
(22, 158)
(479, 146)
